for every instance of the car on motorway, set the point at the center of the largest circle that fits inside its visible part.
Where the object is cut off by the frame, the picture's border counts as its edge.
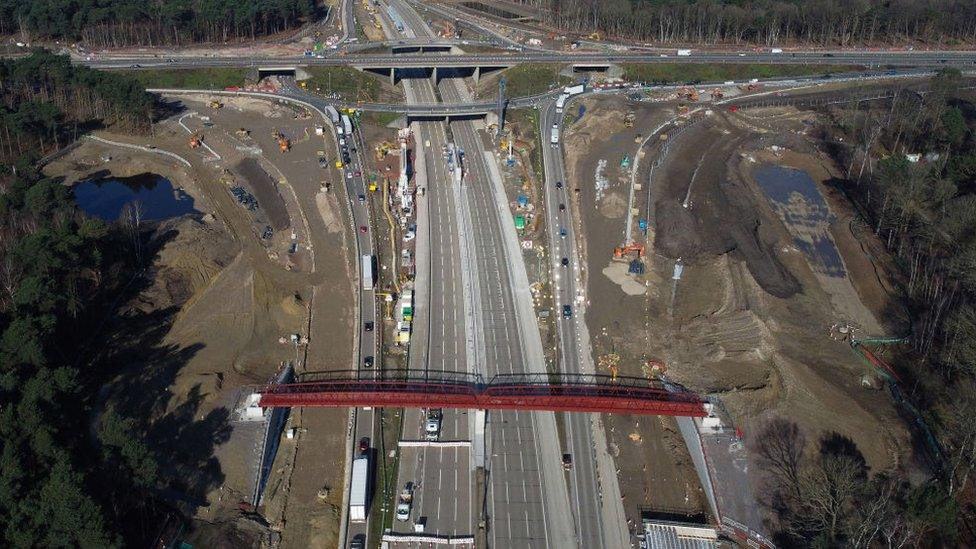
(562, 207)
(565, 262)
(361, 198)
(567, 311)
(562, 232)
(348, 175)
(363, 229)
(368, 326)
(358, 542)
(363, 445)
(559, 184)
(368, 361)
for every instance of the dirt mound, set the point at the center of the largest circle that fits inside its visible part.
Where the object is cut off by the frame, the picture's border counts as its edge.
(722, 214)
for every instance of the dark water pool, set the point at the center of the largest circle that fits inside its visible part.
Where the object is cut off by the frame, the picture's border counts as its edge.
(106, 197)
(795, 197)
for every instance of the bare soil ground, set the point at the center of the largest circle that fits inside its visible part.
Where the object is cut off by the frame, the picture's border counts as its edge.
(750, 319)
(207, 320)
(655, 468)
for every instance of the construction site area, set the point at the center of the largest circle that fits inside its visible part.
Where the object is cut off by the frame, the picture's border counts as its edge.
(259, 278)
(721, 256)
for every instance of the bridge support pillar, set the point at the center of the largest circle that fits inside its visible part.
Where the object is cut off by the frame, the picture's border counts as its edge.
(478, 448)
(393, 76)
(477, 75)
(433, 74)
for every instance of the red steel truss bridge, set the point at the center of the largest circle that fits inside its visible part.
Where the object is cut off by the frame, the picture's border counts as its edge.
(438, 389)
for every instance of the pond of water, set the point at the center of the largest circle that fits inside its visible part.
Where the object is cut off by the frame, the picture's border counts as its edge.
(795, 197)
(105, 198)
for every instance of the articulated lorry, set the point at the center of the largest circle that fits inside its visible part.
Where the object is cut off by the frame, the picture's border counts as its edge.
(368, 273)
(357, 490)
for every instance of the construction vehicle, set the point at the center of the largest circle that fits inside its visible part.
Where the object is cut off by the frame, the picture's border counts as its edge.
(303, 84)
(214, 104)
(691, 94)
(384, 149)
(717, 94)
(196, 140)
(683, 110)
(629, 119)
(621, 252)
(638, 138)
(625, 161)
(594, 36)
(734, 108)
(338, 164)
(243, 133)
(284, 145)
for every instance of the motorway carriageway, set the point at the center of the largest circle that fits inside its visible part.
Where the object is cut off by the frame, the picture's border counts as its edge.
(423, 60)
(443, 484)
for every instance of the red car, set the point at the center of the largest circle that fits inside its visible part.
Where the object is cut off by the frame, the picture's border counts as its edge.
(363, 229)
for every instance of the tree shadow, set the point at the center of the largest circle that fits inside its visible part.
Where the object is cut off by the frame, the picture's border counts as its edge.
(838, 445)
(139, 367)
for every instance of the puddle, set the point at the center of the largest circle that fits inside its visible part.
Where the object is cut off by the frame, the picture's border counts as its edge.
(105, 198)
(795, 197)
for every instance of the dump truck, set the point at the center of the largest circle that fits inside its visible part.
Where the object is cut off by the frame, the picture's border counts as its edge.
(357, 490)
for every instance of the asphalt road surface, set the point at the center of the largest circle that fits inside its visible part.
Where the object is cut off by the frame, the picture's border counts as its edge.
(441, 59)
(441, 475)
(566, 275)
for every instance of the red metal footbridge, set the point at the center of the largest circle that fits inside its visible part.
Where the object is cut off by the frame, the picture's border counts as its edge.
(438, 389)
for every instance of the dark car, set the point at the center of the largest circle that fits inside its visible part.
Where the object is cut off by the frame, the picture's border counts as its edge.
(567, 311)
(559, 184)
(562, 207)
(562, 232)
(358, 542)
(363, 445)
(362, 198)
(368, 361)
(565, 262)
(368, 326)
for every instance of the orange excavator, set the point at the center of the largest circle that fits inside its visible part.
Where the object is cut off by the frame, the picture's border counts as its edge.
(283, 144)
(717, 94)
(690, 93)
(621, 252)
(195, 140)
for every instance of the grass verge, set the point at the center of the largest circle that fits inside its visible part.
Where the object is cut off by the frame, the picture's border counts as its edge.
(348, 84)
(671, 73)
(382, 119)
(530, 79)
(209, 78)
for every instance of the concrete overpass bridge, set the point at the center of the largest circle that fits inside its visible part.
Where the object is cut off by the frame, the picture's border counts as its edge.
(387, 62)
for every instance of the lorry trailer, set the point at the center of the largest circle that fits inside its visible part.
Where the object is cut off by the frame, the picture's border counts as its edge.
(357, 490)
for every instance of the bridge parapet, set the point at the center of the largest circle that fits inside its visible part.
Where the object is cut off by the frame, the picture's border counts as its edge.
(438, 389)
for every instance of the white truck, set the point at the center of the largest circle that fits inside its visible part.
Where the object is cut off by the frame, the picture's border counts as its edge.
(554, 139)
(684, 53)
(368, 273)
(432, 427)
(357, 490)
(346, 124)
(561, 102)
(574, 90)
(776, 50)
